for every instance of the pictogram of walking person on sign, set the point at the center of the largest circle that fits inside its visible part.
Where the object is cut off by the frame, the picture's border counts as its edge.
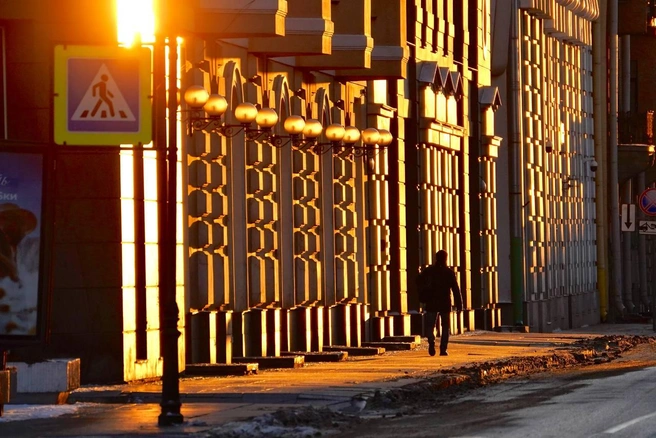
(103, 100)
(104, 96)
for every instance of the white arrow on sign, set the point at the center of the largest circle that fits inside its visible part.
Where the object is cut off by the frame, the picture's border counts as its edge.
(628, 217)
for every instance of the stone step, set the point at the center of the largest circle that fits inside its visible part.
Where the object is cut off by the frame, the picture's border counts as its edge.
(357, 351)
(273, 362)
(392, 346)
(221, 369)
(318, 356)
(413, 338)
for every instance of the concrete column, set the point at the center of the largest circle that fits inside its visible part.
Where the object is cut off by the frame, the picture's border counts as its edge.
(201, 336)
(327, 334)
(317, 328)
(401, 324)
(238, 334)
(355, 311)
(340, 324)
(284, 330)
(254, 333)
(416, 322)
(273, 331)
(367, 321)
(300, 329)
(383, 325)
(224, 338)
(468, 319)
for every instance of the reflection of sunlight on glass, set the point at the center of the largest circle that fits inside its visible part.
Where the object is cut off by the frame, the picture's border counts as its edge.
(136, 19)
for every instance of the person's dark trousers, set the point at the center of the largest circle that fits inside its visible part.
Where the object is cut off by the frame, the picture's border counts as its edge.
(430, 321)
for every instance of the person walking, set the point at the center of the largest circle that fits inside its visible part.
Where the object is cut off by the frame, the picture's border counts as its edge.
(436, 283)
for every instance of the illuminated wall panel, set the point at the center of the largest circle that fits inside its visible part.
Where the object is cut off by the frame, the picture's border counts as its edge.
(559, 216)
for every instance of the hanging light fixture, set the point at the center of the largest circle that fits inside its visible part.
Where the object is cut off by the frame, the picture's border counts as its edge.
(207, 110)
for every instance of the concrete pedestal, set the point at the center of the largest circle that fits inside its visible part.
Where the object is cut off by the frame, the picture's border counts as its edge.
(457, 323)
(317, 328)
(469, 320)
(209, 337)
(200, 337)
(285, 328)
(382, 326)
(251, 335)
(366, 323)
(486, 319)
(340, 324)
(416, 323)
(401, 324)
(224, 337)
(300, 329)
(274, 319)
(355, 311)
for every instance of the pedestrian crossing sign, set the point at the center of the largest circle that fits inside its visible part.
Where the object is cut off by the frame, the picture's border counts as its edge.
(102, 95)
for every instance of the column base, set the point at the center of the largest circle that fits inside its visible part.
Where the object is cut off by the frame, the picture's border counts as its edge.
(300, 329)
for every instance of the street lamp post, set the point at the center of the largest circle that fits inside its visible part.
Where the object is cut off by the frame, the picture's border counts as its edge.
(167, 184)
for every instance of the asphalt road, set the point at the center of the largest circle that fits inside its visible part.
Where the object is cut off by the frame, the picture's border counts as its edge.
(616, 400)
(420, 395)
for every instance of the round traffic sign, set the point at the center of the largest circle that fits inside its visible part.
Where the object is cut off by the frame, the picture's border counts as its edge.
(648, 202)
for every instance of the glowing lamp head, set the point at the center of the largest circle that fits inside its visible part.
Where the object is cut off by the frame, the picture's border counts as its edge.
(370, 136)
(385, 137)
(312, 128)
(196, 96)
(216, 105)
(294, 125)
(266, 118)
(335, 132)
(351, 135)
(246, 113)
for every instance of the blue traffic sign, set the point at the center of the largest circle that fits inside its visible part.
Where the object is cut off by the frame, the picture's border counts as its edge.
(102, 95)
(648, 202)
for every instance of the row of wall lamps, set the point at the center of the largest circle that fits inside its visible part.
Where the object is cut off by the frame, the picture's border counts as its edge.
(207, 112)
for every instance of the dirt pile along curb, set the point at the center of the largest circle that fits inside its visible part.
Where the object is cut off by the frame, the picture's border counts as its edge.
(581, 353)
(302, 422)
(314, 421)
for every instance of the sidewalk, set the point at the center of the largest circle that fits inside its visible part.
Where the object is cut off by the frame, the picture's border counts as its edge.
(207, 402)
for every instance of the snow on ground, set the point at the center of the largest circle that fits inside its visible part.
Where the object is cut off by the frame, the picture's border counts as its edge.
(33, 412)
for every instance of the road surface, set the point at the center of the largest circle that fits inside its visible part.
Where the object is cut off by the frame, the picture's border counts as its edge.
(614, 400)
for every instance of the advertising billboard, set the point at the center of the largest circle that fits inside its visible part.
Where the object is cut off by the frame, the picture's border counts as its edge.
(21, 217)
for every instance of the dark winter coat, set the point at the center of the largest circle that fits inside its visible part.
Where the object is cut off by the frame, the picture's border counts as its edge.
(435, 284)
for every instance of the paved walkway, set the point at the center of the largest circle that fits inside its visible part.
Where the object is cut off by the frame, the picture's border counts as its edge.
(133, 409)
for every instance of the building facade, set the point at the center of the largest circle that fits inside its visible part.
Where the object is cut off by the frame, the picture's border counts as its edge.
(550, 239)
(286, 244)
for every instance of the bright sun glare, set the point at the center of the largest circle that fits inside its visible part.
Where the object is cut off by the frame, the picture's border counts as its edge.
(136, 19)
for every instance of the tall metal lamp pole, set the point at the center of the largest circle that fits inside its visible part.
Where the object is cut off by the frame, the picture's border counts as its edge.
(167, 184)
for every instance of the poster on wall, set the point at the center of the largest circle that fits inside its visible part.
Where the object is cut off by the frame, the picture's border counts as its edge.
(21, 195)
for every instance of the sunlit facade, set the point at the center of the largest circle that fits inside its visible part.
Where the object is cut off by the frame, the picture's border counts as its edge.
(553, 78)
(281, 248)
